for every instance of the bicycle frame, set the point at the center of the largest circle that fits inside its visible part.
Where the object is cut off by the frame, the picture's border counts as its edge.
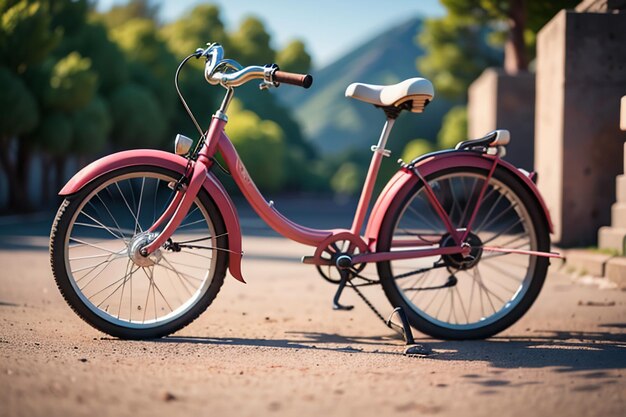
(198, 175)
(218, 141)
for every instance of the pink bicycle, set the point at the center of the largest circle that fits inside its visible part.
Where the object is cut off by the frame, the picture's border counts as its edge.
(459, 238)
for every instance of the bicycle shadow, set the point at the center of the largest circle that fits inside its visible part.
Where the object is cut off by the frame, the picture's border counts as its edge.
(308, 341)
(562, 351)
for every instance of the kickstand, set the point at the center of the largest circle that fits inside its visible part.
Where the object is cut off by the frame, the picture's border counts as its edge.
(404, 329)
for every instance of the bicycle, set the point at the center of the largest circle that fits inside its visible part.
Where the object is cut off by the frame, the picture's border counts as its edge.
(460, 240)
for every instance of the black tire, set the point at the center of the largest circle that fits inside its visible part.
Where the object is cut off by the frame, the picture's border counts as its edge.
(517, 201)
(84, 204)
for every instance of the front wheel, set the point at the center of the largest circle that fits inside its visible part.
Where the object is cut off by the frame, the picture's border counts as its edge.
(95, 254)
(473, 297)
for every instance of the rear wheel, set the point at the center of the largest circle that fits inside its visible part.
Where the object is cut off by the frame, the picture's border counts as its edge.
(95, 254)
(457, 297)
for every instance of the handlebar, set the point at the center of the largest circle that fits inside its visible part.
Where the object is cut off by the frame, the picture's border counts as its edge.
(230, 73)
(301, 80)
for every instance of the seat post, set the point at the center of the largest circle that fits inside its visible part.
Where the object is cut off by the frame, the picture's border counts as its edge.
(366, 195)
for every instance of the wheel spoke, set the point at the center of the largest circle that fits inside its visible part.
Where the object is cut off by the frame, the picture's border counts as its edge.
(143, 182)
(93, 245)
(151, 278)
(478, 296)
(103, 270)
(102, 226)
(117, 226)
(132, 213)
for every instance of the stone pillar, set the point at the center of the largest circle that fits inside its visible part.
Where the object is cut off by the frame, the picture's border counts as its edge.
(581, 76)
(614, 236)
(497, 100)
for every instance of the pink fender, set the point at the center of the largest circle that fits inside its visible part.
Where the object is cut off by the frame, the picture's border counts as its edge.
(178, 164)
(428, 165)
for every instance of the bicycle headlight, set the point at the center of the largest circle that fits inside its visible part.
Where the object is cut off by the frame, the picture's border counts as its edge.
(182, 144)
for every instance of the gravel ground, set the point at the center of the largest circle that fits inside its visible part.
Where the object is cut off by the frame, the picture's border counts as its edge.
(275, 347)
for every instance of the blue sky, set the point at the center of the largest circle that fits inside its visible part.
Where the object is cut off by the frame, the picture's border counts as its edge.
(329, 28)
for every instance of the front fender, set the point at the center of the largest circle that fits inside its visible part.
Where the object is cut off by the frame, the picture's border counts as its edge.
(433, 163)
(178, 164)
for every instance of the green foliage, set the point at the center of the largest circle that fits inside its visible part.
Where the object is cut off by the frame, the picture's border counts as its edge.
(91, 126)
(26, 34)
(497, 12)
(151, 64)
(457, 51)
(72, 83)
(456, 55)
(18, 109)
(106, 78)
(107, 58)
(252, 43)
(137, 118)
(454, 128)
(347, 179)
(134, 9)
(54, 133)
(415, 148)
(193, 30)
(260, 144)
(294, 58)
(69, 16)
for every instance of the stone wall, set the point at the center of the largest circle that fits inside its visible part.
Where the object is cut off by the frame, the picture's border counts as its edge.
(581, 77)
(497, 100)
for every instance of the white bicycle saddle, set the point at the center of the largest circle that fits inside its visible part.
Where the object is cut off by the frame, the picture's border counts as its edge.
(419, 90)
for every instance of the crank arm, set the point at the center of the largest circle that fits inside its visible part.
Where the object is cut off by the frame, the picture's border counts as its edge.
(313, 260)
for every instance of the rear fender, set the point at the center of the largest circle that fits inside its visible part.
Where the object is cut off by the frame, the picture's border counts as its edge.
(178, 164)
(436, 162)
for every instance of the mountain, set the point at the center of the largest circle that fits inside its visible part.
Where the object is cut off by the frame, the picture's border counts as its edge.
(334, 123)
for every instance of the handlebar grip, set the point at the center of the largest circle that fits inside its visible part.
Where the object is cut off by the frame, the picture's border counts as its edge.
(301, 80)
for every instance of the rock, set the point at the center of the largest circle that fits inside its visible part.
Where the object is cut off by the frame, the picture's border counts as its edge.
(168, 396)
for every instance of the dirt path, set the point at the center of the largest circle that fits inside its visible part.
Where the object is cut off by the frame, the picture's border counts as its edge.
(275, 347)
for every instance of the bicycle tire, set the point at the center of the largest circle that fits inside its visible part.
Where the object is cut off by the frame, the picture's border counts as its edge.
(65, 223)
(423, 317)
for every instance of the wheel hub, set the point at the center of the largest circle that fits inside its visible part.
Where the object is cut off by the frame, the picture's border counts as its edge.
(139, 242)
(459, 260)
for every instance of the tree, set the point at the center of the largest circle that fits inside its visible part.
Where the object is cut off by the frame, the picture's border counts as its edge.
(453, 128)
(107, 58)
(415, 148)
(72, 84)
(456, 47)
(251, 43)
(456, 54)
(194, 30)
(260, 144)
(91, 125)
(294, 58)
(26, 34)
(520, 20)
(18, 115)
(18, 109)
(134, 9)
(151, 64)
(137, 118)
(347, 179)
